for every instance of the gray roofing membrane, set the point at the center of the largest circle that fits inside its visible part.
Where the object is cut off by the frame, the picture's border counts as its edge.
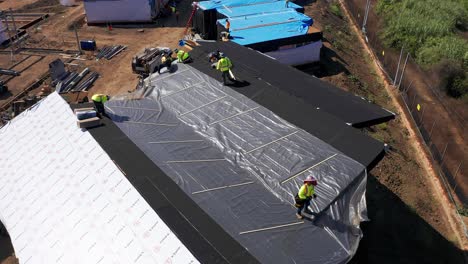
(242, 164)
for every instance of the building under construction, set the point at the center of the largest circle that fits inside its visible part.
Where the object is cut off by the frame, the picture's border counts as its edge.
(188, 170)
(122, 11)
(277, 28)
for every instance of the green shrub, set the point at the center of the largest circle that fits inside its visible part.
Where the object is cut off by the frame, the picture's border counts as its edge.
(453, 77)
(436, 49)
(410, 23)
(428, 30)
(463, 211)
(458, 87)
(336, 10)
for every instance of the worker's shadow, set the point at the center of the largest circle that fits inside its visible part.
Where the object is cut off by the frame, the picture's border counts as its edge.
(174, 68)
(238, 84)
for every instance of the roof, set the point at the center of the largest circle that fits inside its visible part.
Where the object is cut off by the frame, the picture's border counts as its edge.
(64, 200)
(258, 21)
(259, 8)
(305, 101)
(242, 164)
(256, 28)
(266, 74)
(214, 4)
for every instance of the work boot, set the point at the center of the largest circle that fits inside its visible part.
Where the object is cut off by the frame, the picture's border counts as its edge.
(307, 211)
(299, 216)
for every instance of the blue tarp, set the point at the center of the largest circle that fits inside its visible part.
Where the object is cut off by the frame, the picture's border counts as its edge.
(207, 5)
(258, 28)
(261, 8)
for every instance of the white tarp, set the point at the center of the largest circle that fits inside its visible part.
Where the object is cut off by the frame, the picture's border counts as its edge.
(63, 200)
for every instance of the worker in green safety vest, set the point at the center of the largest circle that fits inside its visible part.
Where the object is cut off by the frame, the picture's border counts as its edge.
(224, 65)
(99, 100)
(183, 56)
(304, 195)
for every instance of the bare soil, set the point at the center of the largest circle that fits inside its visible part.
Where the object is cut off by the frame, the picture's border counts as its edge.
(15, 4)
(34, 66)
(406, 208)
(441, 119)
(410, 222)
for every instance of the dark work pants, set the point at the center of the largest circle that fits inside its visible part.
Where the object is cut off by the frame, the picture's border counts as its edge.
(226, 76)
(100, 107)
(305, 205)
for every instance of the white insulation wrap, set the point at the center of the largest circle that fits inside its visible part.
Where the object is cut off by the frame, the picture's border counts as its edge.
(107, 11)
(63, 200)
(67, 2)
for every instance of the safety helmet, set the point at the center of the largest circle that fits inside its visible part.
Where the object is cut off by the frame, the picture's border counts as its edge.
(311, 180)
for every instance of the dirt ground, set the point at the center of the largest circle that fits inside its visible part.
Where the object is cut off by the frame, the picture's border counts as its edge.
(441, 119)
(15, 4)
(35, 66)
(402, 176)
(408, 223)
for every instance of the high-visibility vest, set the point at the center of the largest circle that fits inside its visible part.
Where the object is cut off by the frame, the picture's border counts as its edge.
(99, 98)
(306, 191)
(224, 64)
(182, 55)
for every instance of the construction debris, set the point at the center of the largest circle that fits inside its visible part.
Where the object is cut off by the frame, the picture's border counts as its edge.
(9, 72)
(109, 52)
(145, 62)
(88, 82)
(65, 81)
(86, 116)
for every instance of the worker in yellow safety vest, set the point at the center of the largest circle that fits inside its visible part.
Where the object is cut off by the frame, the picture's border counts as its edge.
(99, 100)
(304, 195)
(182, 56)
(224, 65)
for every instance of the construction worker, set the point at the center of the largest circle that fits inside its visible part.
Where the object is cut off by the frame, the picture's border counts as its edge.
(182, 56)
(166, 61)
(304, 195)
(99, 100)
(225, 35)
(174, 11)
(224, 65)
(214, 56)
(228, 25)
